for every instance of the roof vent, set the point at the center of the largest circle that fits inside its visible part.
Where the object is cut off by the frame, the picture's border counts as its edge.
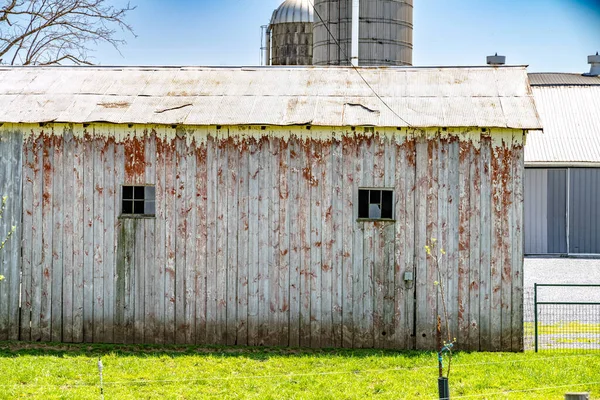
(594, 61)
(496, 60)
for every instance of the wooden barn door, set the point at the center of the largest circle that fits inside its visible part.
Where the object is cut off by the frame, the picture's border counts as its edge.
(379, 265)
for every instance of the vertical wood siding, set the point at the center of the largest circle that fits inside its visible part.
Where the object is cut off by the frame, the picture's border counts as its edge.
(256, 241)
(11, 156)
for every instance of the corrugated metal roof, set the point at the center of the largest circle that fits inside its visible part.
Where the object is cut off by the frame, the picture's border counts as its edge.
(327, 96)
(571, 120)
(556, 79)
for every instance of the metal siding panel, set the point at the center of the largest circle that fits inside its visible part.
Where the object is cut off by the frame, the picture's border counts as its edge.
(584, 215)
(557, 211)
(536, 206)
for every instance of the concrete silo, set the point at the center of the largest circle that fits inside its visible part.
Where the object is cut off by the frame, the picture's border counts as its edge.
(385, 32)
(290, 34)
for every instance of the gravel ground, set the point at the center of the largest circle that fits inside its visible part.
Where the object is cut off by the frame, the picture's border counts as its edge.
(563, 270)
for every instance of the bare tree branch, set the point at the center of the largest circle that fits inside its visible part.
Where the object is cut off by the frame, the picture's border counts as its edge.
(44, 32)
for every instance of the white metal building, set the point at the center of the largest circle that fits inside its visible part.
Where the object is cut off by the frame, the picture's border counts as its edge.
(562, 178)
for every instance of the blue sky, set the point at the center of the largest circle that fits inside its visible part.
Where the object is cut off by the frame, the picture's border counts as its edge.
(548, 35)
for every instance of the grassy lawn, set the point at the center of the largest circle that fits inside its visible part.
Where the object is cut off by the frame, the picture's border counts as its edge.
(180, 372)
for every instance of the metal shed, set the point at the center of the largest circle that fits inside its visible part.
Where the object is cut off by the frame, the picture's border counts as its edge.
(562, 178)
(263, 206)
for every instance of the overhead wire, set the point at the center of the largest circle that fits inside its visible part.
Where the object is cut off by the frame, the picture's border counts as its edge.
(289, 376)
(311, 2)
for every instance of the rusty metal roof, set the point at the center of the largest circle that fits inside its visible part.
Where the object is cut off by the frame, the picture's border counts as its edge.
(571, 119)
(562, 79)
(326, 96)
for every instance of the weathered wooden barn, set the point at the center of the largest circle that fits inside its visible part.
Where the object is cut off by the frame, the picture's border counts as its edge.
(263, 206)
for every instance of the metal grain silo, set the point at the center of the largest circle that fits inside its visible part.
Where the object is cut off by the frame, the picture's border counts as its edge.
(385, 32)
(290, 34)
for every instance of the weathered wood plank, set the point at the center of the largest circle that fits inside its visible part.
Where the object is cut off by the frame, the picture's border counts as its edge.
(151, 290)
(253, 242)
(475, 243)
(231, 181)
(211, 261)
(316, 240)
(338, 242)
(190, 243)
(125, 267)
(6, 185)
(422, 286)
(358, 244)
(221, 241)
(182, 328)
(98, 243)
(453, 247)
(401, 266)
(201, 242)
(88, 237)
(368, 281)
(78, 240)
(390, 249)
(304, 211)
(37, 267)
(27, 240)
(496, 250)
(243, 247)
(47, 230)
(518, 169)
(13, 250)
(326, 332)
(137, 279)
(485, 334)
(272, 192)
(111, 190)
(507, 198)
(283, 253)
(68, 238)
(410, 248)
(295, 244)
(170, 233)
(263, 243)
(349, 194)
(379, 269)
(447, 209)
(464, 240)
(160, 240)
(57, 219)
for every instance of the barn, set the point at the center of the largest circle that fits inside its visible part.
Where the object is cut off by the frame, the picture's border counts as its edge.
(263, 206)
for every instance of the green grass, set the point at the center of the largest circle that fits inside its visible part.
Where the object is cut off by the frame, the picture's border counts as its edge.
(180, 372)
(558, 328)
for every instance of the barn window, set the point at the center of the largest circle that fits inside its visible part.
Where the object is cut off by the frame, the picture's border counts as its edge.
(138, 200)
(376, 204)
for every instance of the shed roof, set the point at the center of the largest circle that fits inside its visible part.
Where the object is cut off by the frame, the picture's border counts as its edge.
(569, 107)
(326, 96)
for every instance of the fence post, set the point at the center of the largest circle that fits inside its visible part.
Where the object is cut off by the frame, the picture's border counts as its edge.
(535, 317)
(577, 396)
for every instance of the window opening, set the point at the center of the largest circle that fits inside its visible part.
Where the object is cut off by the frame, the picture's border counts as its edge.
(138, 200)
(375, 203)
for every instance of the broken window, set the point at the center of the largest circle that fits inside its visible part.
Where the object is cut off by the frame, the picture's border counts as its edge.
(138, 200)
(376, 203)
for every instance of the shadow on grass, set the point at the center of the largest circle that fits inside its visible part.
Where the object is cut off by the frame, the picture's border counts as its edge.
(13, 349)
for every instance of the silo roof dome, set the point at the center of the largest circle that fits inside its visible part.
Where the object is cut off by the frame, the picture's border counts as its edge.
(293, 11)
